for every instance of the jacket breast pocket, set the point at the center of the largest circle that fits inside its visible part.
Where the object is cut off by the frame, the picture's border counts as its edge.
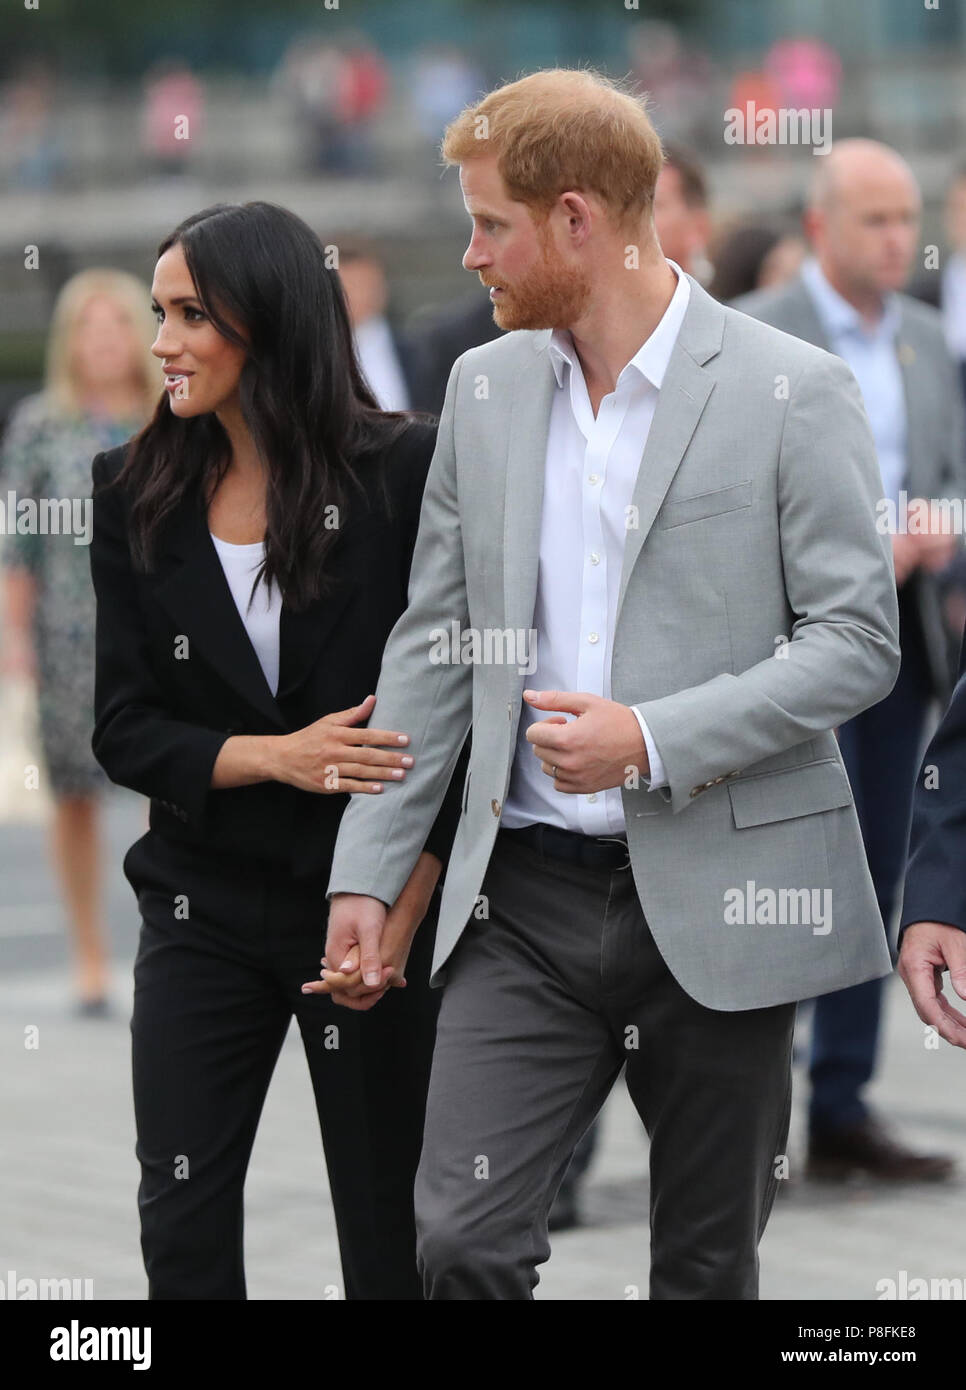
(705, 504)
(793, 791)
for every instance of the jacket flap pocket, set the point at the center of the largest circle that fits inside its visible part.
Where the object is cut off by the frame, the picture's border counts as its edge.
(705, 504)
(794, 791)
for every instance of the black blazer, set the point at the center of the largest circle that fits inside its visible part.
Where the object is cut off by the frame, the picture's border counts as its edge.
(160, 719)
(935, 888)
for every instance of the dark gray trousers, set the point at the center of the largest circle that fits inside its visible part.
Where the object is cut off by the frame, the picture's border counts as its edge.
(545, 1000)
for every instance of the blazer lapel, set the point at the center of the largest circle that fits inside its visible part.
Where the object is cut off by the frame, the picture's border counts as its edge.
(913, 366)
(523, 509)
(681, 400)
(193, 589)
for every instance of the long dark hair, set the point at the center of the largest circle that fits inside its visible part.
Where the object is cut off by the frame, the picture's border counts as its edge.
(303, 397)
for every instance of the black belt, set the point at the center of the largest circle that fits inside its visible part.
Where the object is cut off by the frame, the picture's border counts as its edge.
(590, 851)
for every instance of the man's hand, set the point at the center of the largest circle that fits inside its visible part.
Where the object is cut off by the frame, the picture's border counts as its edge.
(905, 557)
(355, 921)
(591, 753)
(354, 984)
(929, 948)
(925, 543)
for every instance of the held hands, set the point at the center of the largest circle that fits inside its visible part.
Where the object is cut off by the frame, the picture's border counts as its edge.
(929, 948)
(592, 752)
(370, 943)
(331, 755)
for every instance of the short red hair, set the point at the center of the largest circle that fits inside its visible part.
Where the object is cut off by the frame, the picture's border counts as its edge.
(560, 129)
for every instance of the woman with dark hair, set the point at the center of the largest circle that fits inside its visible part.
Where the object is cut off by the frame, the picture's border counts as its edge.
(250, 555)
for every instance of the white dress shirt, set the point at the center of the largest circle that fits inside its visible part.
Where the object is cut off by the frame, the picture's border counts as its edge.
(872, 354)
(590, 471)
(263, 620)
(380, 364)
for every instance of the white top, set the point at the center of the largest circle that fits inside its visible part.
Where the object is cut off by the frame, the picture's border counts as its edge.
(263, 620)
(590, 471)
(872, 353)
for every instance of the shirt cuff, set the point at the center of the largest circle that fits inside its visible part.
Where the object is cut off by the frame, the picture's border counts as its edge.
(657, 777)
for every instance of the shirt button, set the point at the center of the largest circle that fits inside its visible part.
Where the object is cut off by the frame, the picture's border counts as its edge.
(592, 796)
(592, 637)
(593, 478)
(594, 558)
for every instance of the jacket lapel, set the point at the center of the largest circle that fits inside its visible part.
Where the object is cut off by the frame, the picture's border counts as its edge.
(680, 402)
(192, 587)
(804, 321)
(528, 431)
(913, 366)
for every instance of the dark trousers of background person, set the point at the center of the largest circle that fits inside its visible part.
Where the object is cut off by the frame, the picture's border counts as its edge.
(881, 749)
(545, 1000)
(215, 991)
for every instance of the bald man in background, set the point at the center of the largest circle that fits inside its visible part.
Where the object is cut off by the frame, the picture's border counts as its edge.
(862, 223)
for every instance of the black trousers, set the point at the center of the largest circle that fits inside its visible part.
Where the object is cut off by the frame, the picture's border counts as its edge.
(226, 942)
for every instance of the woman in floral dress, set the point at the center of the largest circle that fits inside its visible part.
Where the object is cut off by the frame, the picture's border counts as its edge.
(100, 386)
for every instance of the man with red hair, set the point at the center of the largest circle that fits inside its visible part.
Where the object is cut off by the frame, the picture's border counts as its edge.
(648, 576)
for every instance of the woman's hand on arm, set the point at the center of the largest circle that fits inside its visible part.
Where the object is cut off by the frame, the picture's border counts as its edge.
(330, 755)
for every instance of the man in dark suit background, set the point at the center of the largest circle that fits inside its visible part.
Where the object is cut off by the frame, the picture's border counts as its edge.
(862, 222)
(932, 931)
(390, 361)
(406, 367)
(946, 290)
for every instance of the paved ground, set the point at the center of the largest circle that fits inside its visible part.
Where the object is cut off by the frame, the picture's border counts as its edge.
(67, 1196)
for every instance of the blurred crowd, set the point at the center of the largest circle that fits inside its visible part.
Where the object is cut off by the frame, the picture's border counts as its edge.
(338, 102)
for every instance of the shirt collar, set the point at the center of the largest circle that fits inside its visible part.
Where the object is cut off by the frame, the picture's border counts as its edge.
(652, 357)
(838, 315)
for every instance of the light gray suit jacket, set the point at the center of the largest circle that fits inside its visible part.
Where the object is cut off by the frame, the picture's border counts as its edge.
(757, 611)
(935, 449)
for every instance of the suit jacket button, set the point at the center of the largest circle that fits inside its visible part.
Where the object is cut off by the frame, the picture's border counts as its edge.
(495, 807)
